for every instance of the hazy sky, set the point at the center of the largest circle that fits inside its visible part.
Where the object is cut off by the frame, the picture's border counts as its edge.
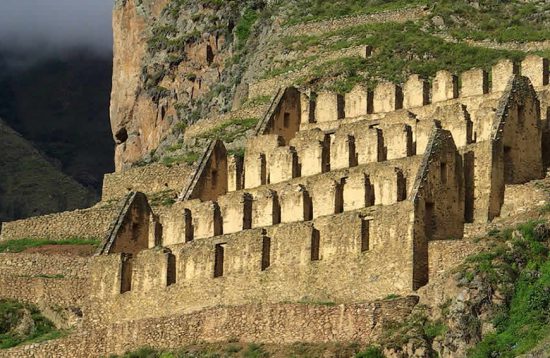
(48, 27)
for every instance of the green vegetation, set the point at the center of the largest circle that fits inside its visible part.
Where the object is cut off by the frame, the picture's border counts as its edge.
(163, 198)
(23, 324)
(238, 152)
(418, 47)
(244, 27)
(317, 10)
(188, 158)
(401, 50)
(392, 296)
(251, 350)
(231, 130)
(520, 265)
(257, 101)
(370, 352)
(14, 246)
(502, 21)
(30, 185)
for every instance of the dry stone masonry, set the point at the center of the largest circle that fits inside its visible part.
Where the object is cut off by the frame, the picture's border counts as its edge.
(344, 199)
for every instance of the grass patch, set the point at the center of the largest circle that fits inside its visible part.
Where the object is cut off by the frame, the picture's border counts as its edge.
(237, 349)
(231, 130)
(392, 296)
(163, 198)
(317, 10)
(501, 21)
(187, 158)
(238, 152)
(255, 351)
(401, 50)
(244, 27)
(11, 333)
(257, 101)
(525, 265)
(14, 246)
(370, 352)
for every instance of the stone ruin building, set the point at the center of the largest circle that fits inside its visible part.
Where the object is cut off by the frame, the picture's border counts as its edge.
(338, 198)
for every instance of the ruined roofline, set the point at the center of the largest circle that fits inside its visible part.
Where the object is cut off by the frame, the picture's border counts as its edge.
(418, 92)
(313, 249)
(296, 200)
(263, 124)
(116, 225)
(187, 192)
(515, 84)
(308, 249)
(127, 223)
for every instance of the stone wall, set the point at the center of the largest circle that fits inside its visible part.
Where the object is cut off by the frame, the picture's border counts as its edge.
(334, 258)
(446, 254)
(149, 179)
(44, 279)
(341, 224)
(260, 323)
(92, 223)
(324, 194)
(416, 92)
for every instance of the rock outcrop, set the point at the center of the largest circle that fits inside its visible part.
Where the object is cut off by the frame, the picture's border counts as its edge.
(174, 62)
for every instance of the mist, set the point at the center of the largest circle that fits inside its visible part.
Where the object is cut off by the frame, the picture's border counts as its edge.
(32, 30)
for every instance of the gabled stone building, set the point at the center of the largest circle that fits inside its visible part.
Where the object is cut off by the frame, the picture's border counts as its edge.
(338, 198)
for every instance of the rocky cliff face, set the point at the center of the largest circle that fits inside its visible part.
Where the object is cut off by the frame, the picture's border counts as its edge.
(174, 62)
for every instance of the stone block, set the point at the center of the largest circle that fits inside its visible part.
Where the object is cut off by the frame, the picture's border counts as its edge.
(329, 107)
(398, 141)
(266, 210)
(358, 192)
(475, 82)
(388, 97)
(307, 106)
(358, 102)
(258, 150)
(501, 73)
(313, 148)
(536, 69)
(327, 197)
(423, 132)
(444, 86)
(389, 186)
(207, 220)
(369, 145)
(416, 92)
(342, 150)
(295, 204)
(236, 212)
(235, 172)
(283, 165)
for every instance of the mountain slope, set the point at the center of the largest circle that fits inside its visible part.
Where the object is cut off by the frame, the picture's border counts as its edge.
(30, 185)
(61, 105)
